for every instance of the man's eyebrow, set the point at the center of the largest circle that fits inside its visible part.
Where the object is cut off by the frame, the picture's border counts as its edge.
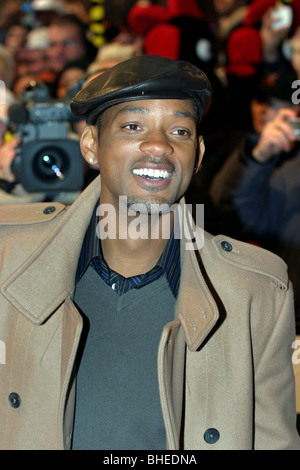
(133, 109)
(141, 110)
(185, 114)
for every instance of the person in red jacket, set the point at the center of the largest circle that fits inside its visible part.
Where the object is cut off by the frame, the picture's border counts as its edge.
(178, 31)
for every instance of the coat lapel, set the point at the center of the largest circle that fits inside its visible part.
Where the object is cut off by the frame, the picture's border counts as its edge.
(195, 307)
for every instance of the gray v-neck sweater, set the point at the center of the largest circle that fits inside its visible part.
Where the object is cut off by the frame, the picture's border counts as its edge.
(117, 398)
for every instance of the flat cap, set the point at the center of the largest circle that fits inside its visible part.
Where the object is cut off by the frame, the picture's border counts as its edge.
(142, 77)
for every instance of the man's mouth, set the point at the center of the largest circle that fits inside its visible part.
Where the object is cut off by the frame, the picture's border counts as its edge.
(151, 173)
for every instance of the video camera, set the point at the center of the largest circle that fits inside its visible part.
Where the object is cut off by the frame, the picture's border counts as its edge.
(49, 158)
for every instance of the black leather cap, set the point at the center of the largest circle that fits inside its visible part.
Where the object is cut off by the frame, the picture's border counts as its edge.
(142, 77)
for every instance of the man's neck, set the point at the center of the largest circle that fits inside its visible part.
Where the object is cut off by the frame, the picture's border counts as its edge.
(131, 254)
(132, 257)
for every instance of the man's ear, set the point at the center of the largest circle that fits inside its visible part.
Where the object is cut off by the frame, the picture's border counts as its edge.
(88, 144)
(200, 153)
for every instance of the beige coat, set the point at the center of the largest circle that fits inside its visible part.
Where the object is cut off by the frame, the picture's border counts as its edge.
(231, 338)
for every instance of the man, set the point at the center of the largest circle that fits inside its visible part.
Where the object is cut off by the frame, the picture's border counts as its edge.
(256, 192)
(163, 346)
(68, 42)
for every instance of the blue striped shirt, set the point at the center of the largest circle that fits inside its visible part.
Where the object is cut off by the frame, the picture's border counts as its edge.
(91, 255)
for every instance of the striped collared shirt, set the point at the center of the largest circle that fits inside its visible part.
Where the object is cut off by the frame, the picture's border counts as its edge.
(91, 255)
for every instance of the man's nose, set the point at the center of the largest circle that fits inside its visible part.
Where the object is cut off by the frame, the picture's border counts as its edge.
(157, 145)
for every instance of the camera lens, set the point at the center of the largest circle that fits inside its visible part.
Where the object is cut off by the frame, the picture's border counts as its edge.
(50, 164)
(295, 123)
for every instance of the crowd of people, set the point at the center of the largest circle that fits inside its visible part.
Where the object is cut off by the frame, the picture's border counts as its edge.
(248, 179)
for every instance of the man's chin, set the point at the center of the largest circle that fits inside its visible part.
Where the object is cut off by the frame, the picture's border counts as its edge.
(153, 207)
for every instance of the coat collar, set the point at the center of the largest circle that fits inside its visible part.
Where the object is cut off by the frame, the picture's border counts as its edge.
(195, 307)
(38, 298)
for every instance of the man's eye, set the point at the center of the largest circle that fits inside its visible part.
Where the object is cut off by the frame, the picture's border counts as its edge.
(69, 43)
(132, 127)
(182, 132)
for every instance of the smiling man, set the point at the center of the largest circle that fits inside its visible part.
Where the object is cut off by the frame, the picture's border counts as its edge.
(154, 146)
(135, 342)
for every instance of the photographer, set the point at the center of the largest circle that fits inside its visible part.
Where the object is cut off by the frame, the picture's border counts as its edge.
(257, 192)
(40, 158)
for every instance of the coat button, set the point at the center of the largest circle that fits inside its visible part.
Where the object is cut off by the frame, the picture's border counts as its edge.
(14, 400)
(211, 436)
(226, 246)
(49, 210)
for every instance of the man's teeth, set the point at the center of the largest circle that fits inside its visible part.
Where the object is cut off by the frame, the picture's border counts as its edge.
(151, 173)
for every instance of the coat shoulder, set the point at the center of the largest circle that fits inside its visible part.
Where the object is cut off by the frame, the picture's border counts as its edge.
(251, 258)
(31, 213)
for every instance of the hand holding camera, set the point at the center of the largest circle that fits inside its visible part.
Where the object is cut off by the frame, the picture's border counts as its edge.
(276, 23)
(295, 123)
(7, 155)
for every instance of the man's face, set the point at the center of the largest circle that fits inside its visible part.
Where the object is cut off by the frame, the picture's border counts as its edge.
(16, 37)
(65, 45)
(147, 151)
(37, 60)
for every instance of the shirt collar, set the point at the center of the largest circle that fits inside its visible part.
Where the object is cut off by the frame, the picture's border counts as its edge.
(169, 260)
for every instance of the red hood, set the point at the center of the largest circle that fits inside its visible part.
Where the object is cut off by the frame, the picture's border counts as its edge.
(184, 8)
(141, 19)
